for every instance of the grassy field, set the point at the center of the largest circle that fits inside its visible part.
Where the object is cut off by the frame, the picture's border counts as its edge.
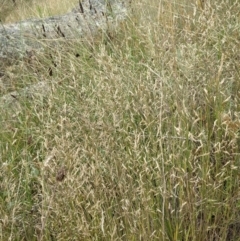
(139, 136)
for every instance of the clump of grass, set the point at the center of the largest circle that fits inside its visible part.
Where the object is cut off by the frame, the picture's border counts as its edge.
(139, 137)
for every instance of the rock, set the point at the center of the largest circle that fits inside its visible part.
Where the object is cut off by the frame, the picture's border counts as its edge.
(89, 17)
(32, 35)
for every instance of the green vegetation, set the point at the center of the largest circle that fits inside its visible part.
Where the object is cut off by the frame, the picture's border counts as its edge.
(139, 137)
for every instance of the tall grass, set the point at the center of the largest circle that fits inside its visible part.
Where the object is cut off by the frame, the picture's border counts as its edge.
(139, 137)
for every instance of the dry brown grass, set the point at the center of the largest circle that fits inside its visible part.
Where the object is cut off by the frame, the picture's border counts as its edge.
(33, 9)
(139, 138)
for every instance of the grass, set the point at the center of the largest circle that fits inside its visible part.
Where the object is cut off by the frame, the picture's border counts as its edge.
(139, 137)
(15, 10)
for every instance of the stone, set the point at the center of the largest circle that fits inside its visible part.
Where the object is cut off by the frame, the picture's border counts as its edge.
(86, 19)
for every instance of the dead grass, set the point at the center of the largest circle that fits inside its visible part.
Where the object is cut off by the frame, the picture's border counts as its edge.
(13, 11)
(139, 137)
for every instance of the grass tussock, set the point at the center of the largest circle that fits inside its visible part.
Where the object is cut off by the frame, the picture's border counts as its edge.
(139, 136)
